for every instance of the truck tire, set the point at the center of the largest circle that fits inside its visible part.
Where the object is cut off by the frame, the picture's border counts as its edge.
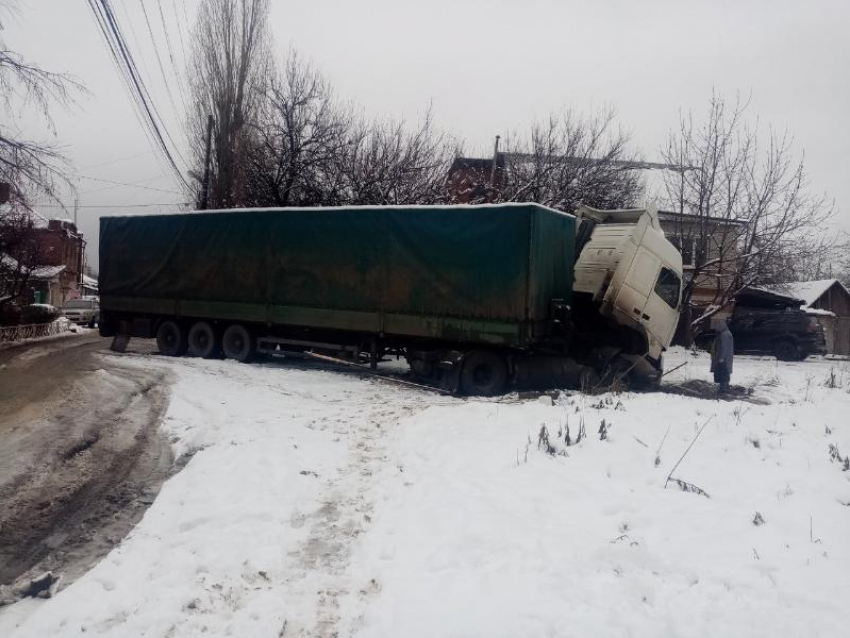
(484, 373)
(171, 339)
(786, 350)
(238, 343)
(203, 341)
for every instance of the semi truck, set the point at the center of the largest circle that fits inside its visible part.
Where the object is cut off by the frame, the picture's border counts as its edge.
(477, 299)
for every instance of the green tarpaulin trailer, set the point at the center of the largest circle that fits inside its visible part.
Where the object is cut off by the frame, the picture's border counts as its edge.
(472, 274)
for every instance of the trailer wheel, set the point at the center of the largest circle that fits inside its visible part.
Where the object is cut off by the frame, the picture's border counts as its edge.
(171, 339)
(203, 341)
(786, 350)
(238, 343)
(484, 373)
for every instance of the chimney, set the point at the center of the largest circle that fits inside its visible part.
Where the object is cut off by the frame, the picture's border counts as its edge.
(495, 162)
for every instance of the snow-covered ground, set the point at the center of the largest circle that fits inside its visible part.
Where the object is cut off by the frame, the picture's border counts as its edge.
(321, 504)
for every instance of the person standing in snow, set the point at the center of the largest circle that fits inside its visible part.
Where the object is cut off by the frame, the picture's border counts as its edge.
(722, 354)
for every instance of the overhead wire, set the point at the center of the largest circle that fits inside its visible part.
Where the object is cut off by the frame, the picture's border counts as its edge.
(174, 66)
(147, 123)
(180, 29)
(115, 161)
(159, 59)
(114, 205)
(140, 77)
(116, 183)
(108, 23)
(126, 83)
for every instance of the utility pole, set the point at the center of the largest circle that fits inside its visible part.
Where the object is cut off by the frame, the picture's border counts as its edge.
(205, 183)
(76, 208)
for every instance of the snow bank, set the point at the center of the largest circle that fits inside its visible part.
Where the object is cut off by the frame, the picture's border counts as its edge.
(321, 504)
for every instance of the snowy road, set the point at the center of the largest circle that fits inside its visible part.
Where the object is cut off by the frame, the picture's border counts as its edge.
(321, 504)
(80, 457)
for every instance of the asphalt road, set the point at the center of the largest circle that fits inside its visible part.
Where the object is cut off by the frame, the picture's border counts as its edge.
(80, 455)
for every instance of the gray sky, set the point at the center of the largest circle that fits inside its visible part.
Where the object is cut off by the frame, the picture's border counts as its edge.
(487, 67)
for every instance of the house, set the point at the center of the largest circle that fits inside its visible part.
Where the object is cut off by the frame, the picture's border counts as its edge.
(828, 301)
(89, 286)
(58, 276)
(710, 250)
(475, 179)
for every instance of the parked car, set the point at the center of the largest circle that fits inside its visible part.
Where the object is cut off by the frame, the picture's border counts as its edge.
(767, 323)
(85, 311)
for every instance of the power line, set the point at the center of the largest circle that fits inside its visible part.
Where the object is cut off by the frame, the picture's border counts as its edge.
(113, 205)
(159, 59)
(136, 185)
(180, 29)
(115, 161)
(171, 53)
(108, 24)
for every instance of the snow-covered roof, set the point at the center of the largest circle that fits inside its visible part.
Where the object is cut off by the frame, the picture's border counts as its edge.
(89, 282)
(46, 272)
(808, 291)
(817, 312)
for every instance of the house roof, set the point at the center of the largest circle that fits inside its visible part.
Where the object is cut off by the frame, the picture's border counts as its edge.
(763, 297)
(90, 282)
(46, 272)
(808, 291)
(476, 163)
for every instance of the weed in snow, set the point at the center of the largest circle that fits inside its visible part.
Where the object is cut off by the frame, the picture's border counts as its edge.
(835, 455)
(758, 519)
(658, 452)
(684, 485)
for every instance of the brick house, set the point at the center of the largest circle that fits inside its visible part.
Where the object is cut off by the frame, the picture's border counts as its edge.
(58, 276)
(475, 179)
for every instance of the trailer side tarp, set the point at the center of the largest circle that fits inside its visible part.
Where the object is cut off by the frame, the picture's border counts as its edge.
(428, 271)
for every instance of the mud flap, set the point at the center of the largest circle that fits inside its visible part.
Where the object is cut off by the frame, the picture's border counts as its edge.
(450, 365)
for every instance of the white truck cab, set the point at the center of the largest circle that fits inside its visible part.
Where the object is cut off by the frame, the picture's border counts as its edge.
(632, 271)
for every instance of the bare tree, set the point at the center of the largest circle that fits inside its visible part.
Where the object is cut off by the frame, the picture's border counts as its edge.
(30, 168)
(297, 139)
(308, 149)
(20, 252)
(570, 160)
(228, 73)
(745, 212)
(391, 163)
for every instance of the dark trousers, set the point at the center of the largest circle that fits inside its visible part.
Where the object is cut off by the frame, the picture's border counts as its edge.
(722, 376)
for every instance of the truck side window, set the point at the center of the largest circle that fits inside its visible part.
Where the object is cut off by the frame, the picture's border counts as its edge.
(667, 287)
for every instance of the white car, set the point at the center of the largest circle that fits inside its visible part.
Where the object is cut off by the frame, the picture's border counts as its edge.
(85, 311)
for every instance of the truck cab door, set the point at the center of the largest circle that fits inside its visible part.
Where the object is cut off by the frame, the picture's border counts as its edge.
(636, 287)
(661, 313)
